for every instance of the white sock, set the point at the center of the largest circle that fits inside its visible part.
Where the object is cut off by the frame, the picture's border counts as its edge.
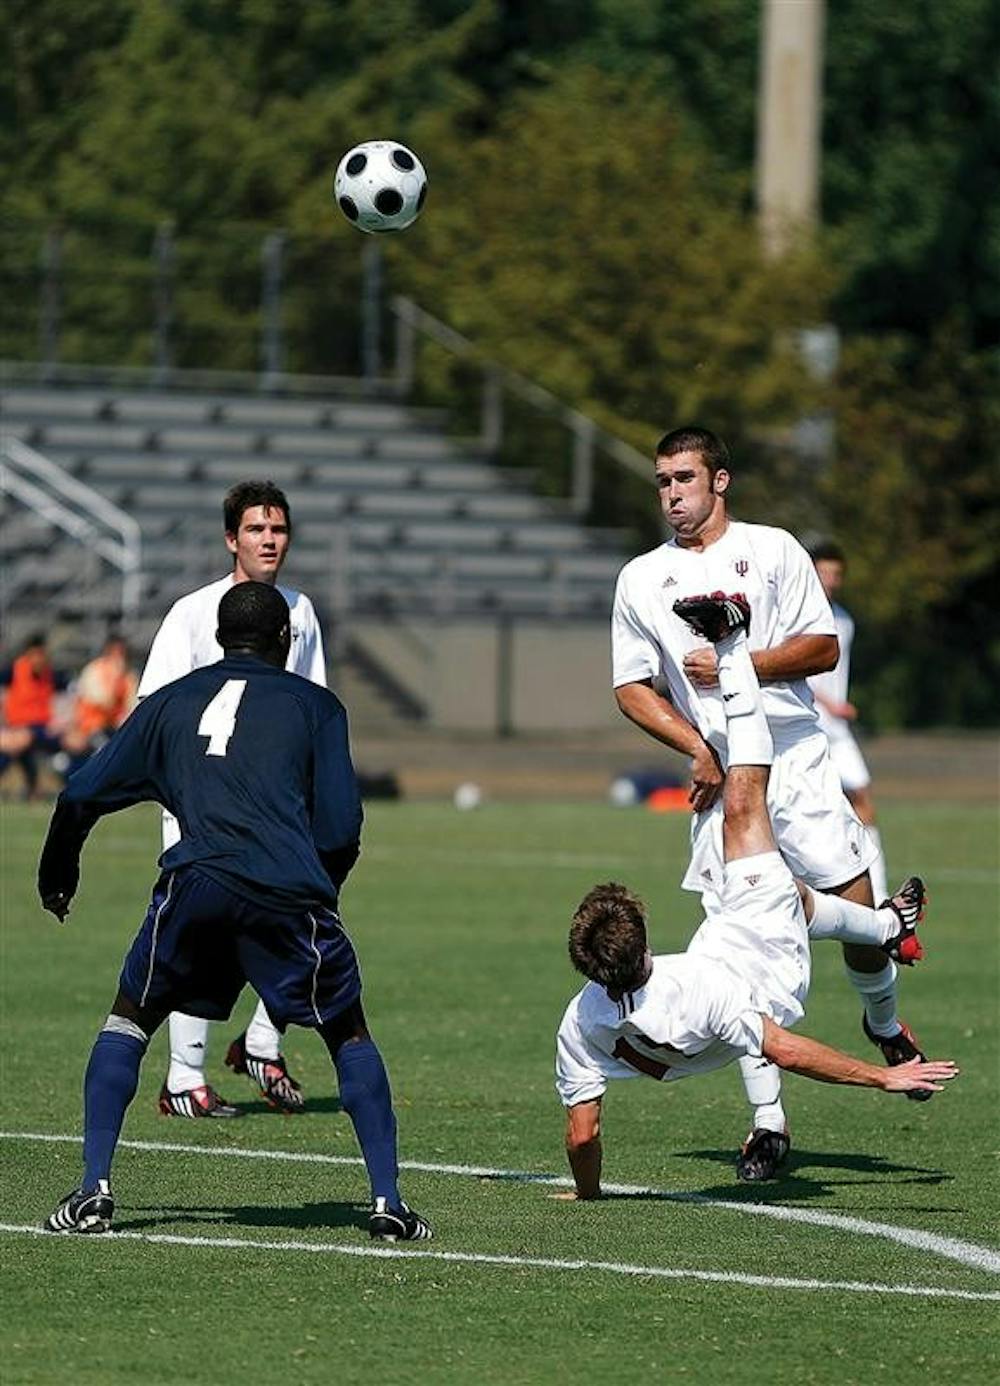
(835, 917)
(877, 871)
(878, 992)
(263, 1040)
(770, 1117)
(762, 1081)
(747, 731)
(188, 1038)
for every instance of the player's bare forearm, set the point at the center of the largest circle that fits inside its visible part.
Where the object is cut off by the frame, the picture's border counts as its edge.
(658, 717)
(798, 657)
(800, 1054)
(583, 1147)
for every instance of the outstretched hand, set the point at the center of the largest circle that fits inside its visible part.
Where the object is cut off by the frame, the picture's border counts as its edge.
(920, 1075)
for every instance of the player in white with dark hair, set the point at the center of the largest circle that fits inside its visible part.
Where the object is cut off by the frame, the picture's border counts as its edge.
(257, 524)
(836, 712)
(745, 975)
(666, 681)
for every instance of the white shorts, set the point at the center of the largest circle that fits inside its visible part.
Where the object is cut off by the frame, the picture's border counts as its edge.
(760, 934)
(849, 762)
(820, 836)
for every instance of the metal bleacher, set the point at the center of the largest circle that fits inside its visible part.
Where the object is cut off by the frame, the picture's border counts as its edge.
(391, 514)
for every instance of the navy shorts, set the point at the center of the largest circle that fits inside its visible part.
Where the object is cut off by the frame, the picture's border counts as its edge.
(200, 943)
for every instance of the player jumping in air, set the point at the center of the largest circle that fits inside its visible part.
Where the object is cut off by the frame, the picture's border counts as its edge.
(744, 978)
(255, 765)
(666, 681)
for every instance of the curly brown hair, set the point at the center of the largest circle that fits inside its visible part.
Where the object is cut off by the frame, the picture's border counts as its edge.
(607, 939)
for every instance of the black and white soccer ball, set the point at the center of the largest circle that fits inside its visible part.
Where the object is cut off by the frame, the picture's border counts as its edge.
(380, 186)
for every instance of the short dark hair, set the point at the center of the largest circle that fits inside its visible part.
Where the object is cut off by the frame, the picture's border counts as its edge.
(252, 616)
(826, 551)
(607, 939)
(709, 446)
(246, 494)
(37, 637)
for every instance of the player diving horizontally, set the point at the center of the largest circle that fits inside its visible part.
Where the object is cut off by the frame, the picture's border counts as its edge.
(744, 978)
(255, 765)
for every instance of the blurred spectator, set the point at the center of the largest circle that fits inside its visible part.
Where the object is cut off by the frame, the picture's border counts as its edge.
(28, 711)
(105, 695)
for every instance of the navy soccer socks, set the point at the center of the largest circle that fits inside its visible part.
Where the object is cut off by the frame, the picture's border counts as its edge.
(364, 1092)
(110, 1084)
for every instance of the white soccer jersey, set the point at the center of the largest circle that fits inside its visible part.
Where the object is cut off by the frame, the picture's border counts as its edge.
(699, 1009)
(834, 684)
(777, 577)
(186, 638)
(690, 1017)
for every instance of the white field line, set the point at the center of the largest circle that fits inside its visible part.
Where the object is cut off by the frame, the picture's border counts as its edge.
(966, 1253)
(473, 1258)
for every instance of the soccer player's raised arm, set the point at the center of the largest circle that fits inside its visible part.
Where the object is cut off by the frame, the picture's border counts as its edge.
(802, 1055)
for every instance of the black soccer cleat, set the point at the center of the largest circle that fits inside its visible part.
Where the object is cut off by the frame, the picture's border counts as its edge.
(400, 1224)
(84, 1212)
(199, 1102)
(908, 906)
(761, 1154)
(899, 1048)
(715, 615)
(279, 1088)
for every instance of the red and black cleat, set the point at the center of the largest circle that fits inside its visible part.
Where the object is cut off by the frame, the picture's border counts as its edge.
(761, 1154)
(198, 1102)
(715, 615)
(900, 1048)
(908, 904)
(278, 1087)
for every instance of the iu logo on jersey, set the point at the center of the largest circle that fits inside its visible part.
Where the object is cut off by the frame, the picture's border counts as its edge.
(742, 566)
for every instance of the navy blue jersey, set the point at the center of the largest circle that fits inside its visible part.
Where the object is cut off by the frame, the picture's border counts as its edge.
(252, 761)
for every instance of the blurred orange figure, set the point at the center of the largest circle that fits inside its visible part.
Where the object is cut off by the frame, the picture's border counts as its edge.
(28, 706)
(105, 691)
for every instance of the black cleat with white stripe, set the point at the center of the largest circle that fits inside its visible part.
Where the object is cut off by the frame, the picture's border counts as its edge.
(715, 615)
(89, 1212)
(908, 905)
(400, 1224)
(762, 1154)
(278, 1087)
(199, 1102)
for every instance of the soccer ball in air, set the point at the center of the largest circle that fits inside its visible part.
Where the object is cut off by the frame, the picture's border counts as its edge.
(380, 186)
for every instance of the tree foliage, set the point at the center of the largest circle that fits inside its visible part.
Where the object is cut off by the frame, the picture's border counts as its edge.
(590, 223)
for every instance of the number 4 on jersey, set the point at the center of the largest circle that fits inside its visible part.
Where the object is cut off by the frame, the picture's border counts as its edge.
(218, 721)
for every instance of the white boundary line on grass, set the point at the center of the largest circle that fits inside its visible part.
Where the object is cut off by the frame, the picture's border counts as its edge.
(967, 1253)
(475, 1258)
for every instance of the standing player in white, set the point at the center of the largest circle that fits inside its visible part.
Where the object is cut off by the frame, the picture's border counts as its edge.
(666, 681)
(258, 531)
(745, 975)
(836, 712)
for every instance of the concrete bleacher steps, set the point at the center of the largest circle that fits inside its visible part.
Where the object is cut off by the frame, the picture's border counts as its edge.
(390, 513)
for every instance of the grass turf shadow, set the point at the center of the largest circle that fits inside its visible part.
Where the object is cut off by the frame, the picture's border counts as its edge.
(308, 1216)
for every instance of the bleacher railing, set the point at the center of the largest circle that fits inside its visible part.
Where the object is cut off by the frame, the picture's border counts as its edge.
(78, 510)
(497, 384)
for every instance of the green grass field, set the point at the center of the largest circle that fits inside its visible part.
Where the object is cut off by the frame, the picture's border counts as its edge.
(460, 921)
